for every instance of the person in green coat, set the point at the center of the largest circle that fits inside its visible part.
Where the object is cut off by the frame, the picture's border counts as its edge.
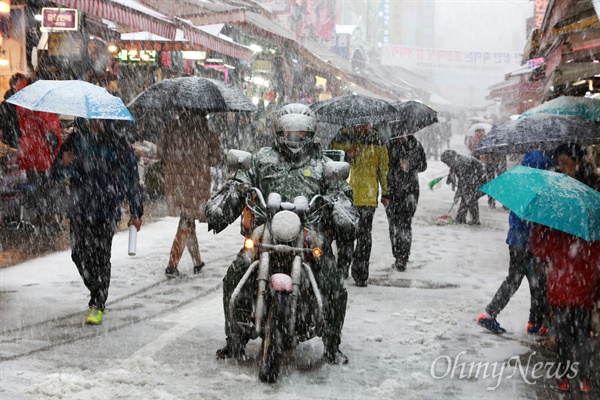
(293, 166)
(368, 158)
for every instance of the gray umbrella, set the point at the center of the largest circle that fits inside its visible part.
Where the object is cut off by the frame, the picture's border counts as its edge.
(353, 110)
(538, 132)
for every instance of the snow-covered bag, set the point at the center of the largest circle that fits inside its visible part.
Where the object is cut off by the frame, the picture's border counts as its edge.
(344, 217)
(224, 207)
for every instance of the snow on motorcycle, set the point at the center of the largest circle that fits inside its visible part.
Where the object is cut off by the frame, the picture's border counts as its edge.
(286, 239)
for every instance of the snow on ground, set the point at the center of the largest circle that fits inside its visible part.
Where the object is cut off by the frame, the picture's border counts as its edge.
(406, 334)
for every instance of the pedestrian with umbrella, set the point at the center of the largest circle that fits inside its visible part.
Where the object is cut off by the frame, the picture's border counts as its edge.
(566, 236)
(369, 161)
(522, 264)
(188, 148)
(573, 278)
(98, 167)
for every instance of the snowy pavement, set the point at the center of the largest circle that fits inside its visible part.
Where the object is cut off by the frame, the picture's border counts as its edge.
(408, 335)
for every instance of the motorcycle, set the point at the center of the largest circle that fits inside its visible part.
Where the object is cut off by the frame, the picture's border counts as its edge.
(288, 238)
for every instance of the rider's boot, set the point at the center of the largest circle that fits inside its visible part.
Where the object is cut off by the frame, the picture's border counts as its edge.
(333, 354)
(234, 348)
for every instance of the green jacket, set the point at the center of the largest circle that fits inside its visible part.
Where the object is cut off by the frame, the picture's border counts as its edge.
(271, 172)
(368, 169)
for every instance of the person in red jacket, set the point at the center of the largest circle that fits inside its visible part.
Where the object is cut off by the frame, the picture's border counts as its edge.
(41, 138)
(573, 279)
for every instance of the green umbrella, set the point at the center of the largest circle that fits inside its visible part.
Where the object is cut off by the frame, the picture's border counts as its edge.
(549, 198)
(568, 105)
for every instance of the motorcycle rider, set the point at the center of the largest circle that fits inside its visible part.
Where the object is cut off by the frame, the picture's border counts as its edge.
(293, 166)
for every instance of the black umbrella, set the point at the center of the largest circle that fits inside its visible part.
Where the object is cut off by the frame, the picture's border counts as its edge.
(192, 93)
(412, 116)
(353, 110)
(170, 97)
(538, 132)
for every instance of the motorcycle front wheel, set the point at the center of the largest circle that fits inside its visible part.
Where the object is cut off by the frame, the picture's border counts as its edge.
(273, 342)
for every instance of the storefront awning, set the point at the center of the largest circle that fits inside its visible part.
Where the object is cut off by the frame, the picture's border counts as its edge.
(137, 17)
(200, 13)
(354, 88)
(573, 72)
(113, 11)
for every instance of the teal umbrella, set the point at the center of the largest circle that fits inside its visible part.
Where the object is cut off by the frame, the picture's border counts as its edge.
(549, 198)
(568, 105)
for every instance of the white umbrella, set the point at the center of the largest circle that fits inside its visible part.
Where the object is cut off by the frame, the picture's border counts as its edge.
(479, 126)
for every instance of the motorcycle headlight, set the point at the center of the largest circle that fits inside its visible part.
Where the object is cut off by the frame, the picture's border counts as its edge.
(286, 226)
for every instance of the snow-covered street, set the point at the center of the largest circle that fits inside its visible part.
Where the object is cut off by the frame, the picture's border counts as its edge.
(406, 334)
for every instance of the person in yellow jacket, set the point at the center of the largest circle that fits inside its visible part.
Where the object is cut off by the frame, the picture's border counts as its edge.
(368, 158)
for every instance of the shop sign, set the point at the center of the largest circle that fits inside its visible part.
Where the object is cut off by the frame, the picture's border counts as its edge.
(59, 19)
(64, 44)
(262, 66)
(535, 62)
(270, 96)
(325, 96)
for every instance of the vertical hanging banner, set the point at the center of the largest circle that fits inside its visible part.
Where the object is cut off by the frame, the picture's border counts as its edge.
(539, 11)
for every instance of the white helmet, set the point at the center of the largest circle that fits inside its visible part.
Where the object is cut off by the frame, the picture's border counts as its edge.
(295, 117)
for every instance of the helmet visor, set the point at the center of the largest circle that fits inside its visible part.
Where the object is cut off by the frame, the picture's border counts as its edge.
(295, 140)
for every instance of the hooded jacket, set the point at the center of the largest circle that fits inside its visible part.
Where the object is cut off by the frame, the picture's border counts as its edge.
(467, 170)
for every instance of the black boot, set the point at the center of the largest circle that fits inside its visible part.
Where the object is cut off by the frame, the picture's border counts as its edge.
(333, 355)
(233, 349)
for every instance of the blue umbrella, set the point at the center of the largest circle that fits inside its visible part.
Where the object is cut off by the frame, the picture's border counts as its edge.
(568, 105)
(76, 98)
(549, 198)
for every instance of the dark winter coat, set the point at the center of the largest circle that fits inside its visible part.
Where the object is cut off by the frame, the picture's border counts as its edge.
(466, 173)
(102, 174)
(574, 267)
(403, 183)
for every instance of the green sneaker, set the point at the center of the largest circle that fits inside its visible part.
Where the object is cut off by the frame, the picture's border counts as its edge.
(94, 316)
